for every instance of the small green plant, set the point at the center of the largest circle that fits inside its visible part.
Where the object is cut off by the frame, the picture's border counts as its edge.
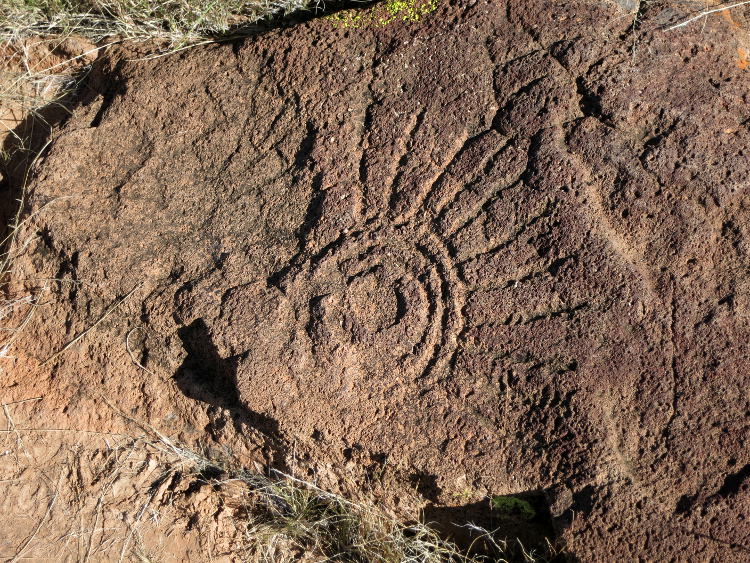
(513, 507)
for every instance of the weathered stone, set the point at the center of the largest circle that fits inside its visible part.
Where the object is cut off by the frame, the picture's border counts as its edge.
(504, 247)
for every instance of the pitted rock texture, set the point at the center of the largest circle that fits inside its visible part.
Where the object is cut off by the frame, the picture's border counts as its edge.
(504, 248)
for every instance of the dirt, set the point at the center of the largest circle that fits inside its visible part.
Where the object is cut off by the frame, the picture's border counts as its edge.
(500, 250)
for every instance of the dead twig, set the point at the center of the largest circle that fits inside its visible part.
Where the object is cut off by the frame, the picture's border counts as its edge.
(135, 525)
(708, 13)
(22, 550)
(22, 401)
(132, 355)
(93, 326)
(12, 428)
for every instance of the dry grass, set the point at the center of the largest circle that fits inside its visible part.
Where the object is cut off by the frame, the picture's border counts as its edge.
(275, 517)
(287, 517)
(177, 21)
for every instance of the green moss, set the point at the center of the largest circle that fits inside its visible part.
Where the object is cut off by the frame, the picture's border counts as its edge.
(513, 507)
(384, 14)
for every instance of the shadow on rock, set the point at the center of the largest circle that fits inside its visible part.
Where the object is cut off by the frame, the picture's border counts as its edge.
(27, 141)
(20, 149)
(207, 377)
(522, 521)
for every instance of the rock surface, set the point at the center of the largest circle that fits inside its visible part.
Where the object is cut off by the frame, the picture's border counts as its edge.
(500, 250)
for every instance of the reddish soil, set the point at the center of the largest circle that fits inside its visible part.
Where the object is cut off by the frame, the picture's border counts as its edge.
(500, 250)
